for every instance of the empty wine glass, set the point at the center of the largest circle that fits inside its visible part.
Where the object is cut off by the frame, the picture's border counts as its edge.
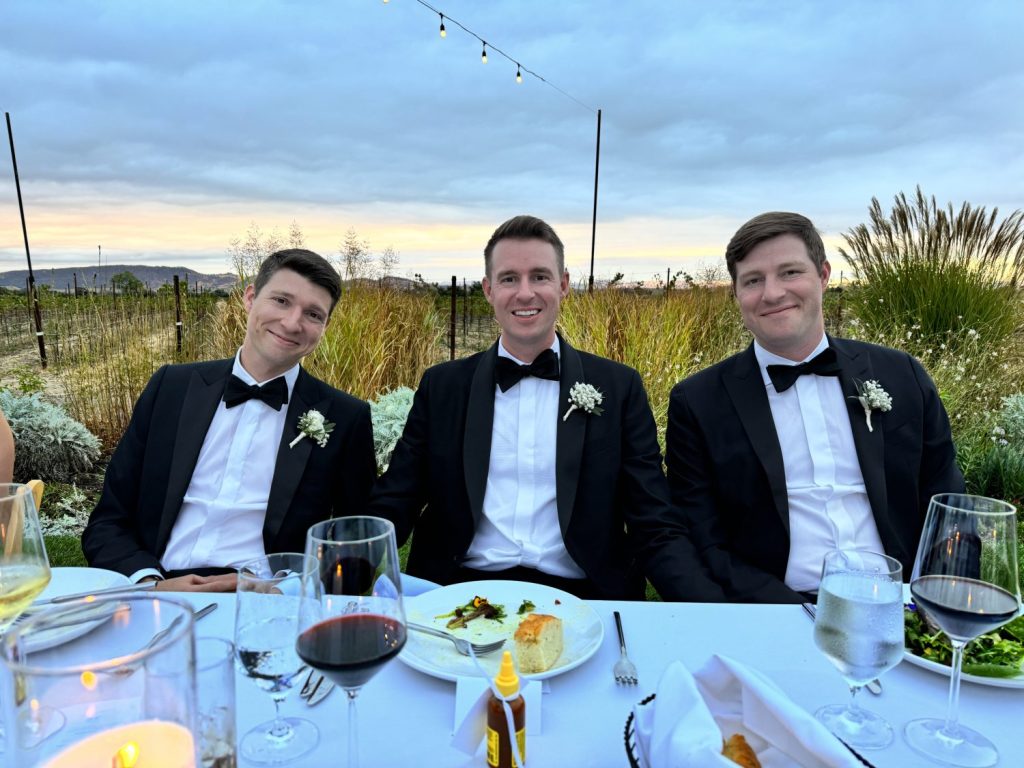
(352, 621)
(859, 628)
(24, 567)
(965, 578)
(266, 622)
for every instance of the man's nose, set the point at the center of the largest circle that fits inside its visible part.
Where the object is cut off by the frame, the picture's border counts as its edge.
(293, 319)
(774, 290)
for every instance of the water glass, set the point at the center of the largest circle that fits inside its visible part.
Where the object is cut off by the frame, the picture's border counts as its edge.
(859, 628)
(101, 681)
(215, 679)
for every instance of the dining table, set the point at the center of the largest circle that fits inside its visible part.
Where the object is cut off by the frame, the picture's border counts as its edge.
(406, 717)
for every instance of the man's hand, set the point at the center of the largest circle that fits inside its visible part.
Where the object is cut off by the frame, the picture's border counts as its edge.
(191, 583)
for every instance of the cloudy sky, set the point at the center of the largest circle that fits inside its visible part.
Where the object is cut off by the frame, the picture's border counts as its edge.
(163, 130)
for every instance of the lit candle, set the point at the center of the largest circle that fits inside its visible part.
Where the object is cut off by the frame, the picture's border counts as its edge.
(147, 744)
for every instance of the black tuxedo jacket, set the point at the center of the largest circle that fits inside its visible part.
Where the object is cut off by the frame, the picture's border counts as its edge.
(153, 464)
(608, 472)
(726, 472)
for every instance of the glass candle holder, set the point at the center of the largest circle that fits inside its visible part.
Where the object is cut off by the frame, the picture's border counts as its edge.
(101, 681)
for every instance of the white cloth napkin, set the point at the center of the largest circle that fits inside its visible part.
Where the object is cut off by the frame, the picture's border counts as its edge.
(685, 723)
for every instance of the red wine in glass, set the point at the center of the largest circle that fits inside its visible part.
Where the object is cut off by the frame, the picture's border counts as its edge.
(351, 649)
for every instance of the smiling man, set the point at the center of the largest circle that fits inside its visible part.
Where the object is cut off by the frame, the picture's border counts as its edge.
(501, 481)
(208, 475)
(770, 454)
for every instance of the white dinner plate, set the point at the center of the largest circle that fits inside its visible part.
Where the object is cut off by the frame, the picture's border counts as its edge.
(582, 627)
(69, 581)
(942, 669)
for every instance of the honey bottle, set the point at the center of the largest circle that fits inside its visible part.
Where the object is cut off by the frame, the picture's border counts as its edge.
(499, 750)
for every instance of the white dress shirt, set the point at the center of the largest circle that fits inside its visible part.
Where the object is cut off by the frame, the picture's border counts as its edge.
(519, 525)
(221, 517)
(828, 501)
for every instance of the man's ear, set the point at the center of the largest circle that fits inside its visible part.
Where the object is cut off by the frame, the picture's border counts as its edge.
(248, 296)
(565, 283)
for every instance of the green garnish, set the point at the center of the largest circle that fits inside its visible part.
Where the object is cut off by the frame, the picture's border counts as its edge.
(996, 654)
(476, 608)
(526, 607)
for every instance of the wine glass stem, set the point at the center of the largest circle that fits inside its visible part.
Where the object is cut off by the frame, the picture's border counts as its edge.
(953, 710)
(353, 746)
(280, 730)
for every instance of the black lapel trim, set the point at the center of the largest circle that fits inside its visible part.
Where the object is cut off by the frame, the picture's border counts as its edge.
(856, 366)
(570, 435)
(476, 442)
(291, 462)
(747, 390)
(202, 398)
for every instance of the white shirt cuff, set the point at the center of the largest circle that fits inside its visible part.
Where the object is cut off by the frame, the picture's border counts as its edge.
(142, 573)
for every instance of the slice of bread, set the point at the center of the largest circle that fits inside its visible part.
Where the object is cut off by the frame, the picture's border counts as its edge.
(538, 643)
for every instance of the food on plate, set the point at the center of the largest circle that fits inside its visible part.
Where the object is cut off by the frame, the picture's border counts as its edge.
(538, 643)
(526, 607)
(736, 749)
(478, 607)
(995, 654)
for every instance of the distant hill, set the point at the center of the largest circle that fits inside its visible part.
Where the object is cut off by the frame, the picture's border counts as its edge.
(153, 277)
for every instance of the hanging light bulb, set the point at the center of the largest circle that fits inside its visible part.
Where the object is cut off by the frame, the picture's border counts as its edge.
(483, 56)
(519, 75)
(443, 32)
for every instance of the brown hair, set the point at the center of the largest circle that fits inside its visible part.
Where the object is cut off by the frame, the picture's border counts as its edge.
(769, 225)
(311, 266)
(525, 228)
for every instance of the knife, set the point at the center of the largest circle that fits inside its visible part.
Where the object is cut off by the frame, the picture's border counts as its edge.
(142, 586)
(320, 691)
(873, 686)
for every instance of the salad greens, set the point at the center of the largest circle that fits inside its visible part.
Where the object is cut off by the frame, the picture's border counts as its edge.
(478, 607)
(996, 654)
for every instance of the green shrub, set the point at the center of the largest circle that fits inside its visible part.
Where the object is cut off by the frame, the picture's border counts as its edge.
(389, 413)
(49, 444)
(65, 509)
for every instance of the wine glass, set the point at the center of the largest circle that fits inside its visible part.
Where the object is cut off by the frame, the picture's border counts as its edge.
(266, 622)
(352, 621)
(24, 567)
(965, 579)
(859, 628)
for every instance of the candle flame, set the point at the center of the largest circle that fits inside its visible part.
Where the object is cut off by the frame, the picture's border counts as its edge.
(127, 756)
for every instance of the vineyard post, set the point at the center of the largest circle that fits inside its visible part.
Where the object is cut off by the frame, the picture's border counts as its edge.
(451, 322)
(177, 314)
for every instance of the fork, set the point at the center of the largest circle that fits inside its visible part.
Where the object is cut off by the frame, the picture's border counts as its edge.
(624, 670)
(462, 646)
(316, 688)
(873, 686)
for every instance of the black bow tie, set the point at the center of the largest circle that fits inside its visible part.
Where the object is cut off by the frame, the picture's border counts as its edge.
(274, 393)
(785, 376)
(507, 372)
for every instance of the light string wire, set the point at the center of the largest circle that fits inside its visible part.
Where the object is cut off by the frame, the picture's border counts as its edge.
(519, 65)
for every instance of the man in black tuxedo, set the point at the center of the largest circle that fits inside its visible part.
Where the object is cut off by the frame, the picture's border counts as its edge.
(214, 468)
(502, 479)
(772, 456)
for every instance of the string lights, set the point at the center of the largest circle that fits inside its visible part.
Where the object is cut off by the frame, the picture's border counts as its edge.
(520, 69)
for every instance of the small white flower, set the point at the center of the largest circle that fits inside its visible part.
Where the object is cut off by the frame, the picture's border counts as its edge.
(313, 425)
(872, 397)
(584, 397)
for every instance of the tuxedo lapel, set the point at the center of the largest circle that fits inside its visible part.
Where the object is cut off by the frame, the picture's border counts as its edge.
(856, 367)
(202, 398)
(476, 442)
(571, 433)
(746, 389)
(291, 461)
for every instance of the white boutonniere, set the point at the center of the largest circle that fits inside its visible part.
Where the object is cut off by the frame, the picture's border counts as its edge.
(584, 397)
(313, 426)
(872, 397)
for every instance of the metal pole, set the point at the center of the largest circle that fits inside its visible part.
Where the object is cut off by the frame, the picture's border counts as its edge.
(451, 322)
(177, 313)
(593, 226)
(33, 297)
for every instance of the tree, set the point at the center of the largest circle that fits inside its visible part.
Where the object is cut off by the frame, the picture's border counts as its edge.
(295, 237)
(356, 260)
(126, 282)
(247, 255)
(388, 261)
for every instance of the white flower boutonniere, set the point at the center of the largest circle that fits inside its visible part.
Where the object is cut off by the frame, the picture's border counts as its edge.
(584, 397)
(872, 398)
(313, 426)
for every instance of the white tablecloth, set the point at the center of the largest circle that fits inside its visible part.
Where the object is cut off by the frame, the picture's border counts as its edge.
(406, 717)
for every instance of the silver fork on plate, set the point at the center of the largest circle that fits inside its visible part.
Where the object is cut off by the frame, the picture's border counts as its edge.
(873, 686)
(462, 646)
(624, 670)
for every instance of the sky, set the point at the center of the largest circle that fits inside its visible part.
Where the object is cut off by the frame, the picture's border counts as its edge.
(165, 130)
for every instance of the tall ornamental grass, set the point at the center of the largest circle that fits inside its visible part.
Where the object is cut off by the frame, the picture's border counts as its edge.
(937, 269)
(665, 337)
